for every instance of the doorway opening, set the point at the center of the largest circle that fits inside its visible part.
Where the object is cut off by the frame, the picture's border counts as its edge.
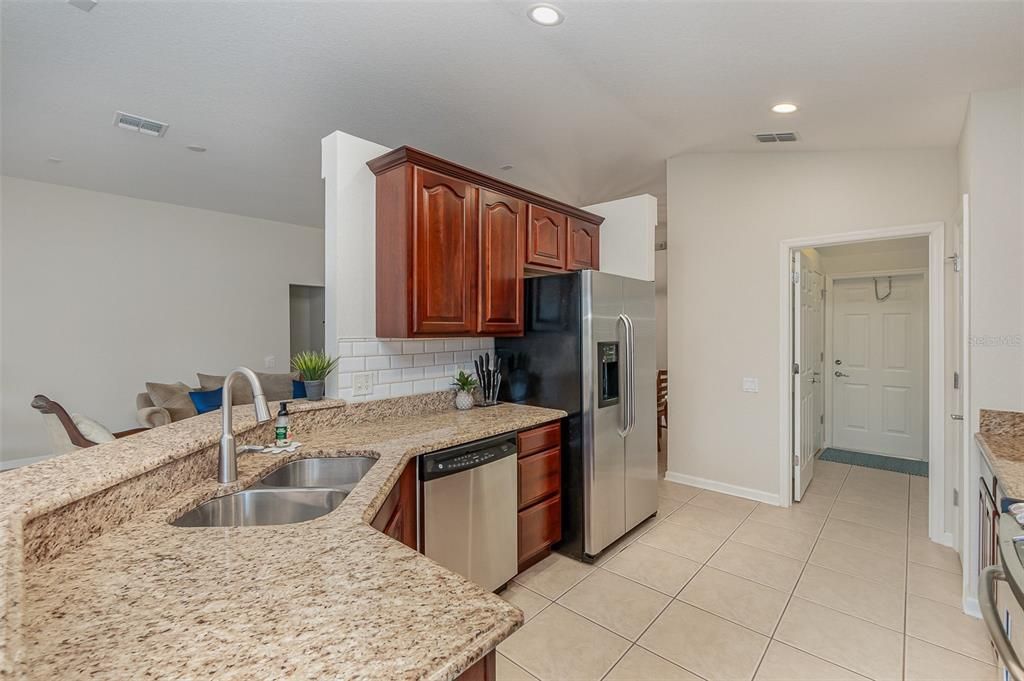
(863, 364)
(306, 317)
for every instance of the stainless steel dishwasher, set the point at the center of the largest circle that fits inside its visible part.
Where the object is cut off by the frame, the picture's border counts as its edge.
(469, 521)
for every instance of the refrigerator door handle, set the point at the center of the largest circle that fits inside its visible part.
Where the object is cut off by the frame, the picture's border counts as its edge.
(632, 374)
(624, 391)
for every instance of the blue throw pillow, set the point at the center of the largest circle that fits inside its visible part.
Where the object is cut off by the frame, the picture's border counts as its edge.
(298, 390)
(207, 400)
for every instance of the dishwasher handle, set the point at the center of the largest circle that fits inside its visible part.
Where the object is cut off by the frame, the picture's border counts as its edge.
(990, 613)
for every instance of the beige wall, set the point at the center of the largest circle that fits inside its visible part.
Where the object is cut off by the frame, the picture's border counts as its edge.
(102, 293)
(729, 212)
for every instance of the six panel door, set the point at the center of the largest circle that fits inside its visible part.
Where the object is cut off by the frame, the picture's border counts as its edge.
(546, 239)
(584, 247)
(502, 243)
(445, 262)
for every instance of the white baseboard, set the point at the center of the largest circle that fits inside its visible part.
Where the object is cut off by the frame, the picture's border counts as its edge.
(972, 608)
(18, 463)
(946, 539)
(723, 487)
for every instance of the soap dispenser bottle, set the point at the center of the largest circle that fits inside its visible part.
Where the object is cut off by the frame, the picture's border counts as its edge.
(281, 434)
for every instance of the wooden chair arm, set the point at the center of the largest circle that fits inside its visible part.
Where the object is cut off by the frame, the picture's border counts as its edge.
(130, 431)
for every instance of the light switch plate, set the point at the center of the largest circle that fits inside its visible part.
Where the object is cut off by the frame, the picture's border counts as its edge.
(751, 385)
(269, 362)
(362, 383)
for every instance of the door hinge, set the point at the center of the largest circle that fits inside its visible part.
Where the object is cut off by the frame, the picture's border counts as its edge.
(955, 258)
(956, 497)
(821, 419)
(956, 380)
(796, 459)
(796, 368)
(795, 277)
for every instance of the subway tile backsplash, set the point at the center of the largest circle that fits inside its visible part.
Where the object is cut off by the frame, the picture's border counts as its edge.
(405, 367)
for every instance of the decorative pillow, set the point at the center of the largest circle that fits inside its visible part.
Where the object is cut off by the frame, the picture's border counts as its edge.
(92, 430)
(207, 400)
(275, 386)
(298, 390)
(174, 398)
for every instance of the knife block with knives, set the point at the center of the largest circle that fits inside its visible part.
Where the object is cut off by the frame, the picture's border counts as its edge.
(489, 378)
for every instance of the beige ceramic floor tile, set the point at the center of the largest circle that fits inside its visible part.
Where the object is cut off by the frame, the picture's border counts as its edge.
(758, 565)
(815, 503)
(863, 647)
(877, 475)
(524, 599)
(738, 600)
(918, 488)
(784, 663)
(881, 518)
(859, 562)
(674, 490)
(855, 596)
(828, 487)
(948, 627)
(919, 509)
(558, 644)
(706, 519)
(927, 552)
(683, 541)
(666, 505)
(641, 665)
(926, 662)
(792, 518)
(862, 536)
(705, 644)
(726, 503)
(831, 469)
(775, 539)
(938, 585)
(615, 603)
(626, 540)
(919, 527)
(661, 570)
(554, 575)
(507, 670)
(874, 499)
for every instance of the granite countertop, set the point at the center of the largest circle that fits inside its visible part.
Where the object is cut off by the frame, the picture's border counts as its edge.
(1001, 441)
(329, 598)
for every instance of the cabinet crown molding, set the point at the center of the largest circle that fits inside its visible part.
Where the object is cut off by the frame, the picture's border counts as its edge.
(407, 154)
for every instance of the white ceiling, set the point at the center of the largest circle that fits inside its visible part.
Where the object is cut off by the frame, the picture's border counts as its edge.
(586, 111)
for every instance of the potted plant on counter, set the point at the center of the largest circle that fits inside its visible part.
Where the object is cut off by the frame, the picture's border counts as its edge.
(314, 366)
(464, 385)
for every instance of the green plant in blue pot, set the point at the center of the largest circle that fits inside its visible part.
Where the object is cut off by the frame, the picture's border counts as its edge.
(314, 366)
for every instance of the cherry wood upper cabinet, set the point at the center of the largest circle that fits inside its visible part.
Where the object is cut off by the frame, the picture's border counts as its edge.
(546, 238)
(453, 244)
(584, 245)
(502, 240)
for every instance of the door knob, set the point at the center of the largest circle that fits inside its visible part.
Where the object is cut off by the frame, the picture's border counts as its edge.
(840, 374)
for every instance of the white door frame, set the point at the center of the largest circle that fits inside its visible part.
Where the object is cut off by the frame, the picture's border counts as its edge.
(935, 231)
(830, 279)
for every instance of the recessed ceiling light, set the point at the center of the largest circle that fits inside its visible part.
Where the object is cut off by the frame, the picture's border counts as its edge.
(195, 147)
(545, 15)
(506, 167)
(84, 5)
(785, 107)
(54, 159)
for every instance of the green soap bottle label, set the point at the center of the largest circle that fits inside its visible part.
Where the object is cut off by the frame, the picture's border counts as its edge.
(281, 432)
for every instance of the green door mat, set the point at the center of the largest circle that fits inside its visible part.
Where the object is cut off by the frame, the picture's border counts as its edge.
(885, 463)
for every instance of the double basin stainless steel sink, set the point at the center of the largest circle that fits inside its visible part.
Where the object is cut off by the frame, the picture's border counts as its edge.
(296, 492)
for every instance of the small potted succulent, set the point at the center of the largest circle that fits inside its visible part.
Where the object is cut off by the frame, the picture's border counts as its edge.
(464, 385)
(314, 366)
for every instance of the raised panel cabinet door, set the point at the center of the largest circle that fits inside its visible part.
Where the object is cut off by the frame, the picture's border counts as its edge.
(445, 255)
(502, 243)
(584, 245)
(546, 238)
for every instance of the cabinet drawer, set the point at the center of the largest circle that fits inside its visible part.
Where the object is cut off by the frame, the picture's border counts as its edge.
(540, 476)
(540, 526)
(540, 439)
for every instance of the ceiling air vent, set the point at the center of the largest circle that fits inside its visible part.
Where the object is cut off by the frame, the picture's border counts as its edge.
(135, 123)
(765, 137)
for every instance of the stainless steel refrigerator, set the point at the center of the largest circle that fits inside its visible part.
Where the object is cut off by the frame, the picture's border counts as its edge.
(589, 348)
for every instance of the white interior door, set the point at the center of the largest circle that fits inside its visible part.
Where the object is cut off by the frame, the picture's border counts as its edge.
(807, 349)
(878, 372)
(814, 353)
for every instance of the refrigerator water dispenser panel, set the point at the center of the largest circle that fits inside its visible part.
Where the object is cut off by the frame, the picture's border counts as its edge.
(608, 360)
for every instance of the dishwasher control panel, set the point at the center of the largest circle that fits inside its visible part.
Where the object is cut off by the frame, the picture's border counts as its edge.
(465, 457)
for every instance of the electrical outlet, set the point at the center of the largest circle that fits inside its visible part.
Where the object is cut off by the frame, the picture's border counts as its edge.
(362, 383)
(751, 385)
(269, 362)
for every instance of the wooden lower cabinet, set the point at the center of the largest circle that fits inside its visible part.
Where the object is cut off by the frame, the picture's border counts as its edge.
(483, 669)
(540, 492)
(397, 515)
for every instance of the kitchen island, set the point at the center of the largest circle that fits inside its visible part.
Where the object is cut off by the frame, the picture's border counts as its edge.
(98, 584)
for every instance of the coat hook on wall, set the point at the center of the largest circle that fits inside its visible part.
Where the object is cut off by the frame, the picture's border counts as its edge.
(888, 293)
